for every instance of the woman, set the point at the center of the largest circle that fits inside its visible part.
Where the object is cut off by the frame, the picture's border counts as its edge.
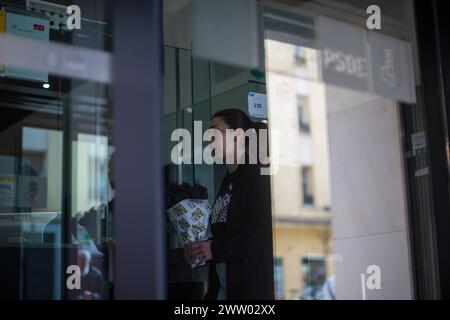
(240, 251)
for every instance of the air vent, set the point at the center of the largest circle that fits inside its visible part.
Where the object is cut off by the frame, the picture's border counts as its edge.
(45, 6)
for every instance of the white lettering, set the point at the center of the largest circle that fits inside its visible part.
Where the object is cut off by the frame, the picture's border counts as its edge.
(74, 19)
(74, 280)
(374, 20)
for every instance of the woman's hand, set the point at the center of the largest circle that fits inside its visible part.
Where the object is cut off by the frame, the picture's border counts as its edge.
(198, 251)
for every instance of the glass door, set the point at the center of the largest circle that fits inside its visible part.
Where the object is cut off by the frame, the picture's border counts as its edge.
(347, 133)
(337, 93)
(56, 184)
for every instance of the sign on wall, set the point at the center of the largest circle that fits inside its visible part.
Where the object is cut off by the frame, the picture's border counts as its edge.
(29, 27)
(257, 105)
(391, 65)
(363, 60)
(344, 61)
(23, 191)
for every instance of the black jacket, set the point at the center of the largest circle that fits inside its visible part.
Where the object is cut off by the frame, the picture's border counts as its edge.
(241, 226)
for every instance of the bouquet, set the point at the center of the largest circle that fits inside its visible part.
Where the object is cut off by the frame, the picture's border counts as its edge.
(190, 219)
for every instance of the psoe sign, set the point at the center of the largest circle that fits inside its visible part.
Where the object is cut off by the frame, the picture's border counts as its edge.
(356, 58)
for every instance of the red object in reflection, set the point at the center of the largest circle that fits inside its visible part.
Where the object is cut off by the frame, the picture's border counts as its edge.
(38, 27)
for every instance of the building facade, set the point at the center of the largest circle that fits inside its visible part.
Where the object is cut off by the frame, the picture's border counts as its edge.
(358, 138)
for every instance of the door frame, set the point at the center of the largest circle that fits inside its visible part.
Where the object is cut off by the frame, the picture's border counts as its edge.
(139, 268)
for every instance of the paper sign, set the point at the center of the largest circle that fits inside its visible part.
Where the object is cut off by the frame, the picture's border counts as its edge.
(28, 191)
(7, 190)
(32, 192)
(29, 27)
(418, 142)
(257, 105)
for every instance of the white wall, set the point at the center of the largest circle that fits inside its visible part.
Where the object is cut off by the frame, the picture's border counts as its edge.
(368, 194)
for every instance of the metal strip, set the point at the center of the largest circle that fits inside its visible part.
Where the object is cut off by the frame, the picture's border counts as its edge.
(139, 216)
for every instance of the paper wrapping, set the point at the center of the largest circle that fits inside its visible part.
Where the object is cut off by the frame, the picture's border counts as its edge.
(190, 219)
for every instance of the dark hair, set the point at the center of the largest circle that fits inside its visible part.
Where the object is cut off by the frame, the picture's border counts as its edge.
(238, 119)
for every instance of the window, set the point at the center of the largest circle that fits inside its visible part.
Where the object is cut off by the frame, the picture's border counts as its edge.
(278, 270)
(314, 277)
(303, 114)
(308, 196)
(299, 54)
